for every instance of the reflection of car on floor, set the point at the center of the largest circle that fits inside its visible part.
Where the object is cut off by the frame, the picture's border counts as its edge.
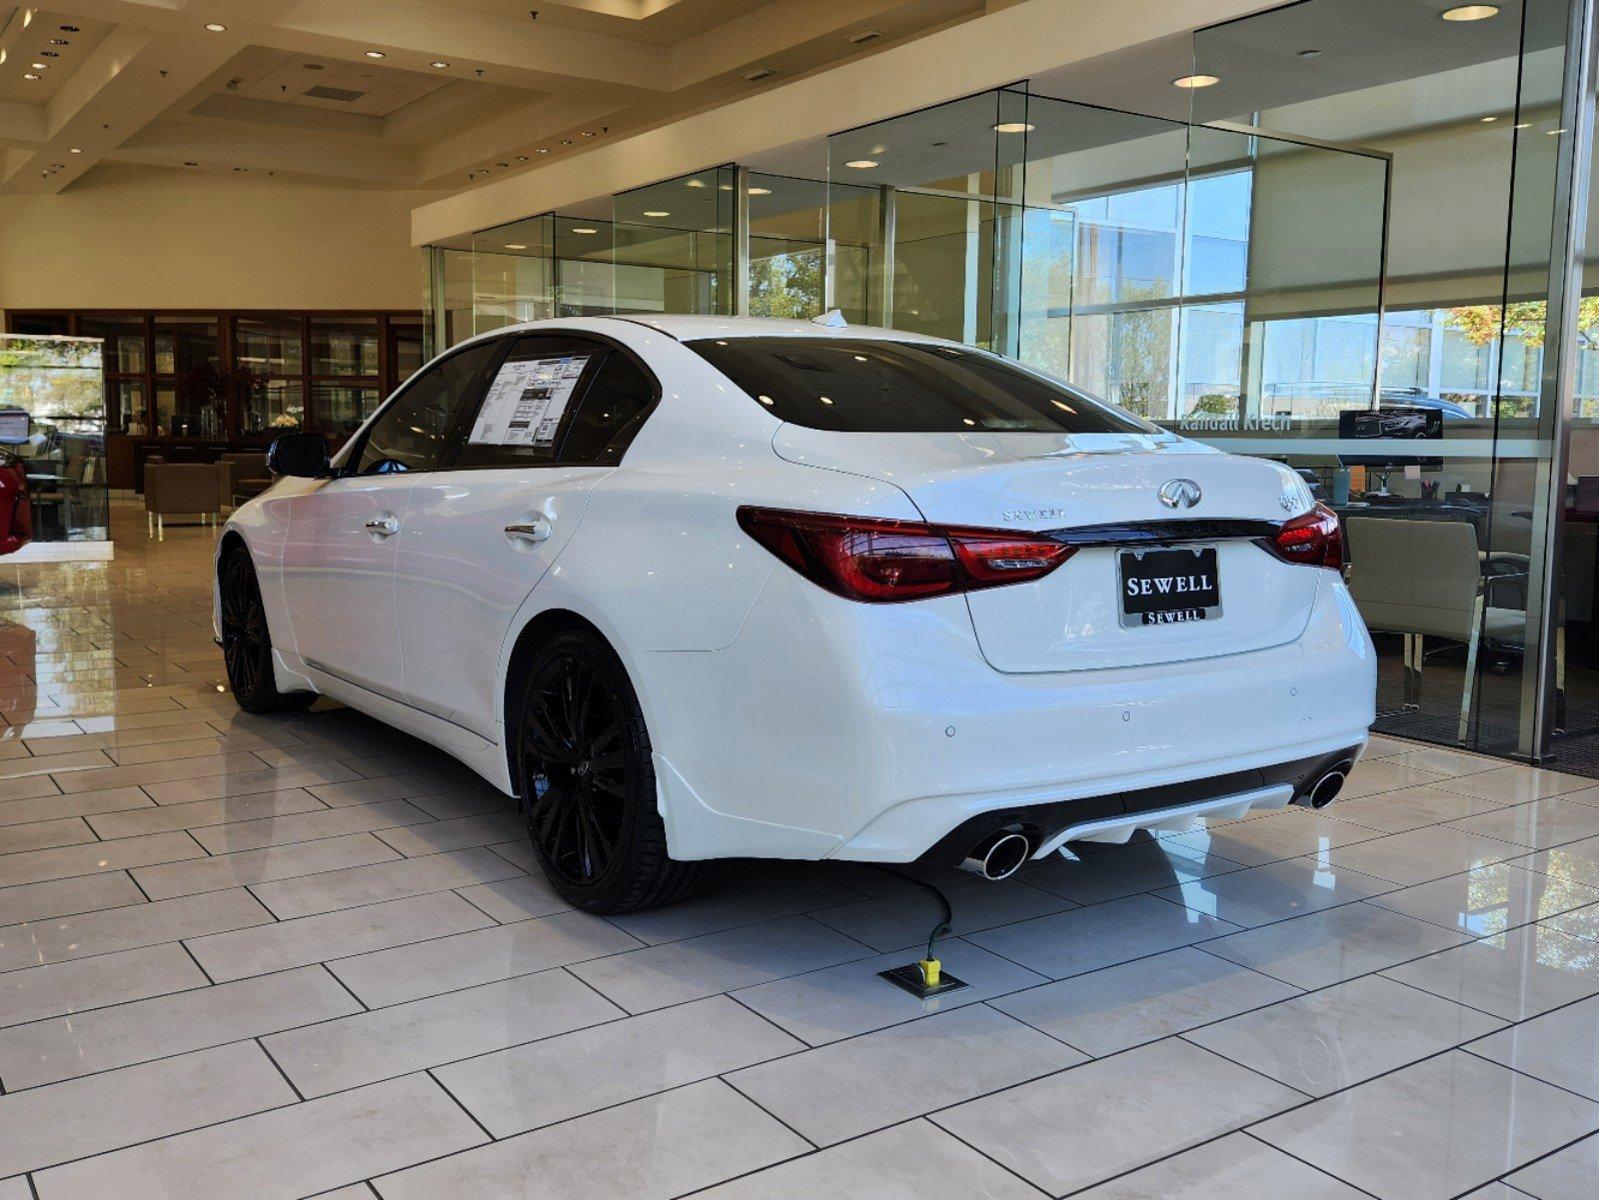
(698, 588)
(16, 518)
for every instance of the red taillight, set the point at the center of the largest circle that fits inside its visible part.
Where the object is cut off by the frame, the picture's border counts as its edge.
(868, 558)
(1313, 538)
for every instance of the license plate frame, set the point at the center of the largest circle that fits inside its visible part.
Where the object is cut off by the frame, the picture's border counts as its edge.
(1184, 566)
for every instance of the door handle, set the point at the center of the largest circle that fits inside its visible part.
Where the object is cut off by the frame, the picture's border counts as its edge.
(383, 526)
(530, 531)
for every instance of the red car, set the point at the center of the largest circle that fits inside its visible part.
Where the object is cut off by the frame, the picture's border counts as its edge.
(16, 518)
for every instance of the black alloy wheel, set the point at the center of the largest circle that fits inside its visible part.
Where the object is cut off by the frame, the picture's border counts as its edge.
(588, 784)
(247, 643)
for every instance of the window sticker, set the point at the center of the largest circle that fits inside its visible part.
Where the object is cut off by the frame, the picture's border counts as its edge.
(526, 401)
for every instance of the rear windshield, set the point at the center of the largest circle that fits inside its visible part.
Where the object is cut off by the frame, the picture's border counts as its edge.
(864, 385)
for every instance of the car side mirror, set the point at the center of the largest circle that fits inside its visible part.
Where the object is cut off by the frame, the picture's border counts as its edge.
(304, 455)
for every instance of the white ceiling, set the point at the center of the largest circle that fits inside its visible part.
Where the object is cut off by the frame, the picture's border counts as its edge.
(292, 87)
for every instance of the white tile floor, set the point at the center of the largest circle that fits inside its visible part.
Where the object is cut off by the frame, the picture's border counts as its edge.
(273, 959)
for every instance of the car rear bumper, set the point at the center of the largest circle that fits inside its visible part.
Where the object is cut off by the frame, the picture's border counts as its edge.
(1115, 816)
(875, 732)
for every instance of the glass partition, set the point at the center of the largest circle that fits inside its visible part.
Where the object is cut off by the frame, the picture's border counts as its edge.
(789, 246)
(935, 207)
(1377, 355)
(52, 398)
(672, 244)
(513, 273)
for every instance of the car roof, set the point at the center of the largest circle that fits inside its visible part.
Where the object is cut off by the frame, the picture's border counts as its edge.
(687, 327)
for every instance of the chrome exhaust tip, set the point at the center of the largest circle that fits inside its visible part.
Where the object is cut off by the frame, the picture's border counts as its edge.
(998, 856)
(1325, 790)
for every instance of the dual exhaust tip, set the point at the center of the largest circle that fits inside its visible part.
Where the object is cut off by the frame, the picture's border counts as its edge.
(1325, 790)
(1001, 854)
(998, 856)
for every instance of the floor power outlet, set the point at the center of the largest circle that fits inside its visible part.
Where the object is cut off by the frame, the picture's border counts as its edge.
(911, 978)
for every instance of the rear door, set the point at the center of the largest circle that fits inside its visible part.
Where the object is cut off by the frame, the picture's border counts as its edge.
(340, 548)
(554, 420)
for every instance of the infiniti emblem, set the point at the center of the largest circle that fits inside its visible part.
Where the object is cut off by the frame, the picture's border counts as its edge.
(1179, 493)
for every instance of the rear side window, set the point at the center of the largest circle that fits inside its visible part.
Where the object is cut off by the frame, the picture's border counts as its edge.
(528, 403)
(413, 431)
(613, 409)
(862, 385)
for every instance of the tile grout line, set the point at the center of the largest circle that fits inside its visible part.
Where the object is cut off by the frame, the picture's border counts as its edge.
(1249, 1133)
(277, 1066)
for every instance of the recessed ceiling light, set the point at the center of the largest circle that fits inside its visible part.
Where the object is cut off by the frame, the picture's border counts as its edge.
(1487, 120)
(41, 66)
(583, 229)
(694, 183)
(861, 164)
(1470, 12)
(69, 29)
(49, 54)
(542, 150)
(191, 164)
(1553, 132)
(515, 246)
(438, 64)
(1311, 53)
(60, 42)
(75, 150)
(1014, 127)
(213, 26)
(376, 54)
(656, 212)
(1196, 81)
(1523, 125)
(588, 133)
(760, 191)
(31, 77)
(566, 141)
(521, 158)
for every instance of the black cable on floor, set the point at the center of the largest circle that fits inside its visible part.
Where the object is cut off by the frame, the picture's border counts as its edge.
(945, 926)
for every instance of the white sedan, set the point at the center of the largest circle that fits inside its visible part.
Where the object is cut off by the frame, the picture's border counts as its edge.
(701, 587)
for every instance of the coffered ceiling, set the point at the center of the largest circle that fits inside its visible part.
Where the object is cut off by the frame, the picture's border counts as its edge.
(412, 94)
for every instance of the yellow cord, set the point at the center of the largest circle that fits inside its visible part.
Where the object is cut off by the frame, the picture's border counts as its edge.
(930, 971)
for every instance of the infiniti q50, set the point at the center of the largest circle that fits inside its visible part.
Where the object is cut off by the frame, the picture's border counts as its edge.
(696, 587)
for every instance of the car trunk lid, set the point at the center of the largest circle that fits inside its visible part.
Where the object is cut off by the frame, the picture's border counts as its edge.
(1100, 487)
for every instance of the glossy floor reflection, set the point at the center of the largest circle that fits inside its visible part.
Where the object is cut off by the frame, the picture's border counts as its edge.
(304, 956)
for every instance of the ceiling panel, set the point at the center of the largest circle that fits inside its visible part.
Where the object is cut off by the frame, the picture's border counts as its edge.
(312, 82)
(43, 39)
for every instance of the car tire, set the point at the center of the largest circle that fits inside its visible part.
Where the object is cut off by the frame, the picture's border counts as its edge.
(587, 781)
(247, 642)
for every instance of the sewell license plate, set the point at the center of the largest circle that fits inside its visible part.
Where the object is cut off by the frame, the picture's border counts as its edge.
(1164, 586)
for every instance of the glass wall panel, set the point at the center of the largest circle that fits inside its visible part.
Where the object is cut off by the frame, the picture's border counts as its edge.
(586, 278)
(672, 244)
(341, 407)
(788, 244)
(513, 274)
(1364, 320)
(58, 382)
(342, 346)
(190, 390)
(942, 234)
